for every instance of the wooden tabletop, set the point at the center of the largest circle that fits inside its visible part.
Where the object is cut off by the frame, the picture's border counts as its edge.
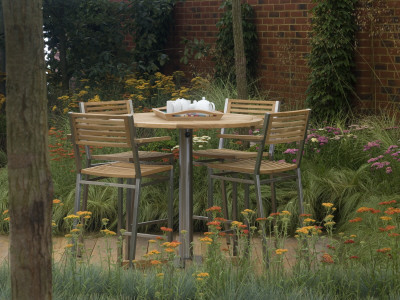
(150, 120)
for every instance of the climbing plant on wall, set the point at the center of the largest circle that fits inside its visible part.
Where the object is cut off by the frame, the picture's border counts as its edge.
(332, 58)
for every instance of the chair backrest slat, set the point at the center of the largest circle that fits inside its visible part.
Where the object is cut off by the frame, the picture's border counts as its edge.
(253, 107)
(283, 128)
(101, 130)
(287, 127)
(118, 107)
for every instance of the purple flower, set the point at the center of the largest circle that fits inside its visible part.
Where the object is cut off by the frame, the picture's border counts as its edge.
(374, 159)
(291, 151)
(380, 165)
(388, 170)
(371, 145)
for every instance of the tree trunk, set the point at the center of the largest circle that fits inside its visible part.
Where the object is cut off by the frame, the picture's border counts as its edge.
(2, 56)
(240, 58)
(30, 186)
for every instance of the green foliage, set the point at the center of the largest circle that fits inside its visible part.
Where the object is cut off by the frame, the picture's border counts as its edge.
(152, 22)
(332, 58)
(85, 39)
(224, 56)
(195, 48)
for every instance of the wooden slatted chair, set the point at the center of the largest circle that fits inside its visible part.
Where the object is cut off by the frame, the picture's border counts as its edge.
(117, 131)
(238, 106)
(121, 107)
(278, 128)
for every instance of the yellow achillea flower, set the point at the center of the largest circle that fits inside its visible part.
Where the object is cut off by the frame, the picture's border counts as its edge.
(56, 201)
(69, 245)
(160, 275)
(64, 98)
(327, 204)
(206, 239)
(309, 220)
(75, 230)
(204, 274)
(330, 223)
(5, 212)
(152, 241)
(154, 252)
(170, 250)
(71, 217)
(353, 235)
(280, 251)
(86, 217)
(236, 224)
(83, 213)
(53, 224)
(108, 232)
(386, 218)
(209, 233)
(285, 212)
(79, 225)
(329, 217)
(68, 235)
(65, 110)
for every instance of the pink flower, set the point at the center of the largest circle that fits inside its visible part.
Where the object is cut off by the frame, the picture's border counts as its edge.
(388, 170)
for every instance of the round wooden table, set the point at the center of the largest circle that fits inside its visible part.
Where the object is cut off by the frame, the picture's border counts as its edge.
(150, 120)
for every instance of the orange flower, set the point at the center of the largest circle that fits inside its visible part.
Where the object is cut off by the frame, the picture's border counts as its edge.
(170, 250)
(387, 228)
(306, 215)
(364, 209)
(214, 208)
(392, 211)
(393, 234)
(261, 219)
(166, 229)
(209, 233)
(327, 258)
(220, 219)
(387, 202)
(56, 201)
(349, 242)
(355, 220)
(213, 223)
(275, 214)
(155, 262)
(383, 250)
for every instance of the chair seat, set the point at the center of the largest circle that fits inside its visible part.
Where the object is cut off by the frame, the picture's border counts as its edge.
(226, 153)
(128, 157)
(248, 166)
(124, 170)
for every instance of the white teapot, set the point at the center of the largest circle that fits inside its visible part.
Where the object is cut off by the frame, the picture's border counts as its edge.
(205, 105)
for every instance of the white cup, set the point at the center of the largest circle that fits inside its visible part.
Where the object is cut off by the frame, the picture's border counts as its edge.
(184, 104)
(205, 105)
(170, 107)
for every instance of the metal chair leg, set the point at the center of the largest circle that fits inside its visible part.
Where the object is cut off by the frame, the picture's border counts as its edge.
(300, 191)
(128, 216)
(225, 211)
(234, 216)
(135, 214)
(210, 197)
(77, 203)
(120, 215)
(171, 204)
(261, 214)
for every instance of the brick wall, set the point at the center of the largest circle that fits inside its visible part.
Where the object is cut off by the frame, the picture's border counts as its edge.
(283, 27)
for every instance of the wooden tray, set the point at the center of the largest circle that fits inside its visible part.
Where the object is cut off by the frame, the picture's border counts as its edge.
(194, 114)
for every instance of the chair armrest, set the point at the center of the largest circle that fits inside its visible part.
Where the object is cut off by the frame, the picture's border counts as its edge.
(152, 139)
(243, 137)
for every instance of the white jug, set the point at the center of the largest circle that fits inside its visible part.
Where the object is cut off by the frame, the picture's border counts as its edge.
(205, 105)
